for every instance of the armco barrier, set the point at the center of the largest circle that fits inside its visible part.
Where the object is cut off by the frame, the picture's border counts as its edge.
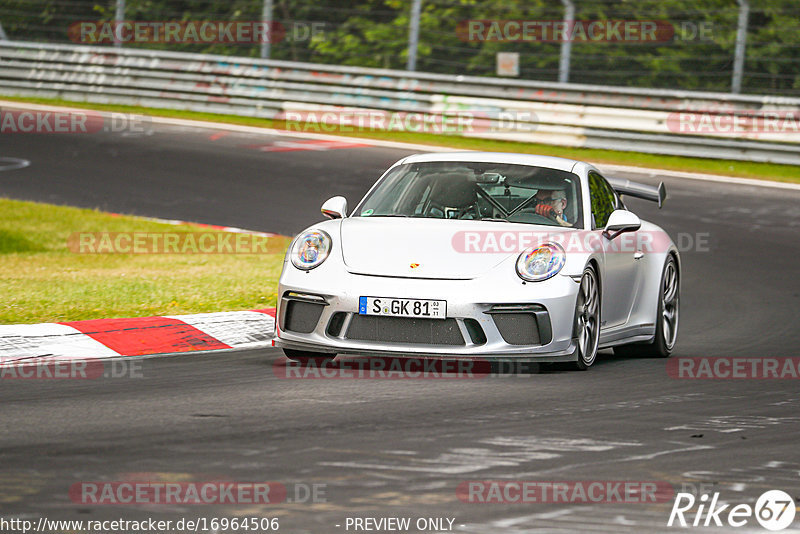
(563, 114)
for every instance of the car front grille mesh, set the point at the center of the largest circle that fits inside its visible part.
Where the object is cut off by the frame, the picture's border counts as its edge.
(301, 317)
(405, 330)
(517, 328)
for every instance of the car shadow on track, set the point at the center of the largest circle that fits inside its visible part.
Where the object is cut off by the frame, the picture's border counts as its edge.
(366, 367)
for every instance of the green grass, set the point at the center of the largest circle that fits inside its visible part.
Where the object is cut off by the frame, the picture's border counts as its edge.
(42, 280)
(743, 169)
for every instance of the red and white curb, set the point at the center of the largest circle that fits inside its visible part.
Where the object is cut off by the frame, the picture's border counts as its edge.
(140, 336)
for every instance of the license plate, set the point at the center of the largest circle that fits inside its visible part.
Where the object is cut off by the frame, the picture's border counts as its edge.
(424, 309)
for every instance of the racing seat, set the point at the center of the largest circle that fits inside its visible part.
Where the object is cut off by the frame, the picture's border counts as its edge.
(452, 197)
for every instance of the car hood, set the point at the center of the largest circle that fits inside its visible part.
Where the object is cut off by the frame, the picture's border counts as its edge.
(427, 248)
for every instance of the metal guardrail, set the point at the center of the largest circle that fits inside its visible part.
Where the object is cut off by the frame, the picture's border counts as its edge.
(602, 117)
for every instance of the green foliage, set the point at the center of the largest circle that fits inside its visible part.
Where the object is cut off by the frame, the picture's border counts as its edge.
(43, 280)
(374, 33)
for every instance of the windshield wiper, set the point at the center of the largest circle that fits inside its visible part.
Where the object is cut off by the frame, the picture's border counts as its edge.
(386, 215)
(493, 219)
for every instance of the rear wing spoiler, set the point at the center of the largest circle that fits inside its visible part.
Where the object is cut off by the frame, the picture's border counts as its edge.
(644, 191)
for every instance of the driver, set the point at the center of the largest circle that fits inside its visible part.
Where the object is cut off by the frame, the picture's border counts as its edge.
(552, 205)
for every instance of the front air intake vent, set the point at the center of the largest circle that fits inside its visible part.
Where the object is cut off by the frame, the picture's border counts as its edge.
(517, 328)
(301, 317)
(405, 330)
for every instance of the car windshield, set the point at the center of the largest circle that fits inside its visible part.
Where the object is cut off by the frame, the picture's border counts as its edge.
(477, 191)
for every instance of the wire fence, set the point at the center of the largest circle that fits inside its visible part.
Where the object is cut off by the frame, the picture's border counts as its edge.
(675, 44)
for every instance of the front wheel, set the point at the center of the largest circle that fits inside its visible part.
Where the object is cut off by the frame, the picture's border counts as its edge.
(587, 319)
(306, 355)
(669, 296)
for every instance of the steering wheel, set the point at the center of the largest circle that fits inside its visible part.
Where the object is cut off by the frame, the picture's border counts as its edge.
(533, 217)
(469, 210)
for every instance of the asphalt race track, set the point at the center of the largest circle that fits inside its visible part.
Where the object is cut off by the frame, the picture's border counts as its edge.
(386, 448)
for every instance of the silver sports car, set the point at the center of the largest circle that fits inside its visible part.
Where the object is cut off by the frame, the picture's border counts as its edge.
(483, 255)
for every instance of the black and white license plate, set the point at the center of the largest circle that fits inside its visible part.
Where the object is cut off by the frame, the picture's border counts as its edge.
(424, 309)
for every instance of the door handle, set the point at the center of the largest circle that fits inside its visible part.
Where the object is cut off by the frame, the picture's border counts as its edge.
(638, 255)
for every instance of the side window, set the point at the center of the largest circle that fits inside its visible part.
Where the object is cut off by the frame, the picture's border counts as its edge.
(603, 199)
(615, 197)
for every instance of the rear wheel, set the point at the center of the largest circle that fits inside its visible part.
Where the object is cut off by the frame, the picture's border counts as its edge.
(666, 319)
(307, 355)
(587, 319)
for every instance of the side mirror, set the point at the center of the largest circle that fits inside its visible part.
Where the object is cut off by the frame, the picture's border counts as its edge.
(621, 221)
(335, 208)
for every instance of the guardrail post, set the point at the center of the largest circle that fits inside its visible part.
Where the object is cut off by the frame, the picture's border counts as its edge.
(413, 35)
(566, 44)
(3, 36)
(741, 42)
(266, 18)
(119, 16)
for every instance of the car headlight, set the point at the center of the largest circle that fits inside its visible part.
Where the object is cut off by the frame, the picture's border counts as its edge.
(310, 249)
(541, 263)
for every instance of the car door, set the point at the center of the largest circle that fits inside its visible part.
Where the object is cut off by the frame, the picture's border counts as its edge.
(621, 275)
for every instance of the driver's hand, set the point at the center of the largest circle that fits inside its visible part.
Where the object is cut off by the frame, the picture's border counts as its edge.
(545, 210)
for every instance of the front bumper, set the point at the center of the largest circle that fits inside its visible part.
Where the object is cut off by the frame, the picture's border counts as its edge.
(474, 329)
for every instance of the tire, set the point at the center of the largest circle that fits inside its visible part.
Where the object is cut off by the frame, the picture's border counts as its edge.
(667, 318)
(587, 319)
(305, 355)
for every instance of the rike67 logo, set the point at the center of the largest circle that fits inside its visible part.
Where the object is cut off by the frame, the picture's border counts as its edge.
(774, 510)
